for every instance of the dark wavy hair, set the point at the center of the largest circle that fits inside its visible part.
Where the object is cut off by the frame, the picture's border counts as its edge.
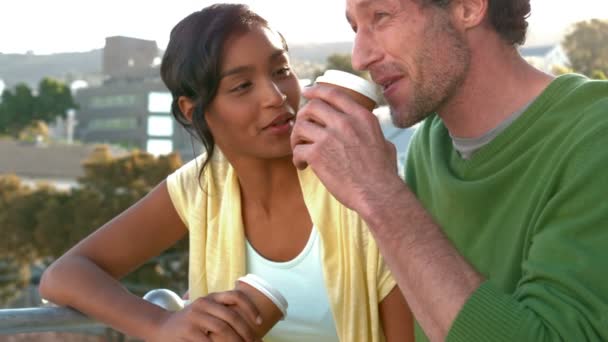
(508, 17)
(191, 65)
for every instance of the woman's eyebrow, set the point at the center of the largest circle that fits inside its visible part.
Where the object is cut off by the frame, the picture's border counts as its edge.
(237, 70)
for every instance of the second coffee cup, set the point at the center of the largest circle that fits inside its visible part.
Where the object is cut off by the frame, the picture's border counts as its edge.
(269, 301)
(358, 88)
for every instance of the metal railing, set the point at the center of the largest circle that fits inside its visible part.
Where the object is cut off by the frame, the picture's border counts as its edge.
(43, 319)
(54, 318)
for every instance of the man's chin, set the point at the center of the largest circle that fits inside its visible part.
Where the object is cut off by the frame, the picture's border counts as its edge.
(406, 119)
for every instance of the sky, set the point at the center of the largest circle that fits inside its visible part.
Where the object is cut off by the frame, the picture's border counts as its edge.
(52, 26)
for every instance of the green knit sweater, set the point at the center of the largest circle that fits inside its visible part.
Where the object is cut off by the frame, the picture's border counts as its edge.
(530, 212)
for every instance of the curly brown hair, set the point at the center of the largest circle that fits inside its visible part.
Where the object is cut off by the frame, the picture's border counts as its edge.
(508, 17)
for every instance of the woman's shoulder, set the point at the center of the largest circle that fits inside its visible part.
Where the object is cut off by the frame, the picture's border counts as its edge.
(199, 169)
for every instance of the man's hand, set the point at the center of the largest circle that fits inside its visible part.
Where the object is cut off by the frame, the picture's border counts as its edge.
(344, 145)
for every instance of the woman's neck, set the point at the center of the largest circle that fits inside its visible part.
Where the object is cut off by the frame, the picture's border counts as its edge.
(267, 184)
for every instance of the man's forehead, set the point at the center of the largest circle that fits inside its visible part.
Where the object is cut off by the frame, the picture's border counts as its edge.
(352, 5)
(359, 3)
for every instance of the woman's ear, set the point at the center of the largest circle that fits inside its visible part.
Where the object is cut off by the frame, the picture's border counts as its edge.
(186, 106)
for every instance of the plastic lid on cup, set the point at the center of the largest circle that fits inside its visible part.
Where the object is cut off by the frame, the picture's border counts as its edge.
(350, 81)
(264, 287)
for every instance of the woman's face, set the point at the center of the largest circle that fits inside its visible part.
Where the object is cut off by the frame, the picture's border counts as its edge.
(257, 97)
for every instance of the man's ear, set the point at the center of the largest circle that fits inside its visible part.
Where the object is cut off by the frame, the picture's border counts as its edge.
(469, 13)
(186, 106)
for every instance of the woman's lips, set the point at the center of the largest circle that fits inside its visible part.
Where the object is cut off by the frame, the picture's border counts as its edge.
(280, 126)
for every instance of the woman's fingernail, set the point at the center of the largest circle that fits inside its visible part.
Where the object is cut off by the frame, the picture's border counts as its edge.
(258, 320)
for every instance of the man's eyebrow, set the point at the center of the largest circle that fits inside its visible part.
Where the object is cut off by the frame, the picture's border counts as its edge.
(348, 19)
(361, 5)
(365, 3)
(277, 54)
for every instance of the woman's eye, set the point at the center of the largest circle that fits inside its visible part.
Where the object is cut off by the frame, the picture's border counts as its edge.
(241, 87)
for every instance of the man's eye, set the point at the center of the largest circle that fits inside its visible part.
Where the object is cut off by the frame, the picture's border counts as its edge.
(284, 71)
(379, 15)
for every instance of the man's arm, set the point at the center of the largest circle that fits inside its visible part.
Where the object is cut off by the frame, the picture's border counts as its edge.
(433, 276)
(563, 293)
(352, 158)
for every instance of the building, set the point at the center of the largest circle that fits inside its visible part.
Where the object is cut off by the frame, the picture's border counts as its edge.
(133, 115)
(130, 58)
(132, 107)
(545, 57)
(35, 163)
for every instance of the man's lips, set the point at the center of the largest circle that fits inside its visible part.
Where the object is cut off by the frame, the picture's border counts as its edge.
(385, 82)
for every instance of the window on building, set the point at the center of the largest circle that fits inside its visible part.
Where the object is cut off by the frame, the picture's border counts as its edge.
(114, 124)
(112, 101)
(159, 102)
(159, 146)
(160, 126)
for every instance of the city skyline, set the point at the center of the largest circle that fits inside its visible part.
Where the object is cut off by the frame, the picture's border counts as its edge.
(56, 26)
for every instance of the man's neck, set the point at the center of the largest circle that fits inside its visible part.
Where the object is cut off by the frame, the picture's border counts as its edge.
(499, 82)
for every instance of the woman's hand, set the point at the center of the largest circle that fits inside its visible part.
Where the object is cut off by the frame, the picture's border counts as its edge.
(221, 316)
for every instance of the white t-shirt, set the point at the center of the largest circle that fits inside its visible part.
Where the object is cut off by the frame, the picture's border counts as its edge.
(301, 282)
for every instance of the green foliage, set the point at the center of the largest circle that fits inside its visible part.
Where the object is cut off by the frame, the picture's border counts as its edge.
(35, 131)
(13, 277)
(16, 109)
(599, 75)
(53, 100)
(338, 61)
(560, 70)
(587, 47)
(21, 108)
(342, 62)
(41, 224)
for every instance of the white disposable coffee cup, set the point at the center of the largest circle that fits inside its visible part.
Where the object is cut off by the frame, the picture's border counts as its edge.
(269, 301)
(358, 88)
(264, 287)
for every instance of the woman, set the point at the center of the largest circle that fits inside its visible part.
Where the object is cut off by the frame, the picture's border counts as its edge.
(246, 209)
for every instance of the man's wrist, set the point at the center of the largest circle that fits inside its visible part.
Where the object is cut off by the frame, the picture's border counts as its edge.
(380, 210)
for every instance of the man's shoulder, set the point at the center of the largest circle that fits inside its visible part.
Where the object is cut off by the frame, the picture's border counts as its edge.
(578, 91)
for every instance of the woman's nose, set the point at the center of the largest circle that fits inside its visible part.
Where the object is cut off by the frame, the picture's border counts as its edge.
(274, 97)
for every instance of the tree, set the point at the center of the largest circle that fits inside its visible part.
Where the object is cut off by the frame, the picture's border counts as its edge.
(39, 224)
(16, 109)
(587, 47)
(14, 274)
(20, 108)
(338, 61)
(599, 75)
(53, 100)
(342, 62)
(560, 70)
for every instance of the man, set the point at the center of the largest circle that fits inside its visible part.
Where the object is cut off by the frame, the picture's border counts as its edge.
(500, 231)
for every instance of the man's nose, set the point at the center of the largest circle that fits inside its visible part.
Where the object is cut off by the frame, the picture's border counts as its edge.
(365, 52)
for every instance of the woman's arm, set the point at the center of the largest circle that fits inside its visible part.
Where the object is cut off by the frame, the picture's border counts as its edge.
(397, 320)
(86, 277)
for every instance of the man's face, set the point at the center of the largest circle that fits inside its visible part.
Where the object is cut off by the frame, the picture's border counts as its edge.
(412, 51)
